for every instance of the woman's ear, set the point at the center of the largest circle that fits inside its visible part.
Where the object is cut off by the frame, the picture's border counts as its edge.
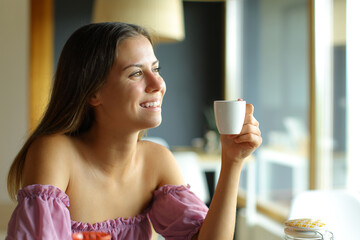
(94, 99)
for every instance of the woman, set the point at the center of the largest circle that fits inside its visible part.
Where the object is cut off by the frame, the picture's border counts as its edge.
(84, 167)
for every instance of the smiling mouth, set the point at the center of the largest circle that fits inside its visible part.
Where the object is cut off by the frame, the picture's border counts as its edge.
(150, 104)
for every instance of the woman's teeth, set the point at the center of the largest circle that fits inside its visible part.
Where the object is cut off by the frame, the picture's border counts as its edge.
(150, 104)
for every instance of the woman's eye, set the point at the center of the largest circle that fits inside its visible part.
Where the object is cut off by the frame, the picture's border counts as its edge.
(136, 74)
(157, 69)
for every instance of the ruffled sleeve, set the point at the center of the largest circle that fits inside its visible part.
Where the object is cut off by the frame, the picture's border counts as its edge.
(41, 213)
(176, 212)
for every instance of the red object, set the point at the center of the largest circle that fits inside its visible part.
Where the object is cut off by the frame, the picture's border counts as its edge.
(91, 235)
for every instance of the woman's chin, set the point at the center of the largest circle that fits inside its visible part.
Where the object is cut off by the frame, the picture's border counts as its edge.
(153, 123)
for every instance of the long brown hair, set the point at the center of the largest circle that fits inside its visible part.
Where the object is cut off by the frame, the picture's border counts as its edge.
(85, 60)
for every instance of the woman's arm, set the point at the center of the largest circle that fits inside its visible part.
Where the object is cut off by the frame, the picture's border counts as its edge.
(220, 220)
(48, 162)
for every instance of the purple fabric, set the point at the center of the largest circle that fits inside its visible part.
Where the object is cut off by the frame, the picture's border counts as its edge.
(137, 227)
(42, 213)
(176, 212)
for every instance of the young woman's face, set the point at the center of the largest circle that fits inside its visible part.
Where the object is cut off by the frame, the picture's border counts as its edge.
(133, 92)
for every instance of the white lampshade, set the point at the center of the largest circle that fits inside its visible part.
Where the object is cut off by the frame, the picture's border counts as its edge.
(164, 19)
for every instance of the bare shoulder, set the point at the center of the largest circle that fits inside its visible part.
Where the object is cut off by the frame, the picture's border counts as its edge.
(163, 163)
(48, 161)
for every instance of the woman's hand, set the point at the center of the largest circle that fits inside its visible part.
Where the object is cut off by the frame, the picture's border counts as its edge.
(220, 220)
(235, 148)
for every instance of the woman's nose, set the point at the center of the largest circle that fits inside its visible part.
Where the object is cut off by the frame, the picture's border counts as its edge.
(154, 83)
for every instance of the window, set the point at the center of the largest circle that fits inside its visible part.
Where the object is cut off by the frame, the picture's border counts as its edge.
(276, 82)
(295, 71)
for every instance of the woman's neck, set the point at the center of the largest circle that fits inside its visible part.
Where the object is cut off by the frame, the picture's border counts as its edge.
(112, 152)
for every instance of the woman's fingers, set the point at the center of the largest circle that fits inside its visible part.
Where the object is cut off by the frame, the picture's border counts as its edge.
(249, 109)
(250, 128)
(251, 138)
(249, 115)
(250, 132)
(251, 120)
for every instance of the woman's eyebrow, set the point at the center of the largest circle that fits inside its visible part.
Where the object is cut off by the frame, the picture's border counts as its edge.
(133, 65)
(139, 65)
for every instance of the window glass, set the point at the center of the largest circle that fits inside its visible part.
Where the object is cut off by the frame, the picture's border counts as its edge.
(276, 82)
(338, 69)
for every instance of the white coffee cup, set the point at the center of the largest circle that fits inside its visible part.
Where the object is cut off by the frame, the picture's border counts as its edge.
(229, 116)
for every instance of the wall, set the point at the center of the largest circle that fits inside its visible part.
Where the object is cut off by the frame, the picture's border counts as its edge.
(14, 45)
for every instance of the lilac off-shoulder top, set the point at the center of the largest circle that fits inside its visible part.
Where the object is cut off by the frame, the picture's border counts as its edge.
(42, 213)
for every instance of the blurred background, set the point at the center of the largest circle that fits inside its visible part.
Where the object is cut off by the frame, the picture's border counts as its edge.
(295, 61)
